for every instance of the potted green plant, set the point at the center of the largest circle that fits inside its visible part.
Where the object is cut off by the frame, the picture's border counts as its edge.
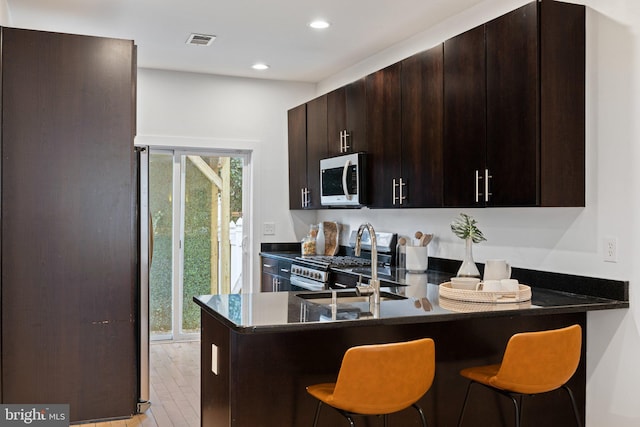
(465, 228)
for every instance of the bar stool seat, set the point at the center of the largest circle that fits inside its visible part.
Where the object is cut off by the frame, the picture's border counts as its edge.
(533, 363)
(379, 380)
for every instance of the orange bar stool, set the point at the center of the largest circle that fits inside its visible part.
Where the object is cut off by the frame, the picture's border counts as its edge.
(379, 380)
(533, 363)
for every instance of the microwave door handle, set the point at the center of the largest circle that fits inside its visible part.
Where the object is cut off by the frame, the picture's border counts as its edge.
(345, 170)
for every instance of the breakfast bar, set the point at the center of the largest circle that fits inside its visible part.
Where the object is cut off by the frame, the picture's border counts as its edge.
(260, 351)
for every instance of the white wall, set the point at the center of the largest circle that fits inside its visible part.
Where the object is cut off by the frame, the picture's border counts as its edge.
(568, 240)
(5, 17)
(206, 111)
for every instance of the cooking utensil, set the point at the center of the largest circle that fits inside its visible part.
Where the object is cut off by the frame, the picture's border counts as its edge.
(425, 239)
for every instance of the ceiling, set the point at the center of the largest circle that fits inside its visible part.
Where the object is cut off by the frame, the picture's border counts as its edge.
(274, 32)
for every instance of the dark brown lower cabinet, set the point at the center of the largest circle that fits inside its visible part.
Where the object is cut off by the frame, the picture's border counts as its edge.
(68, 223)
(276, 275)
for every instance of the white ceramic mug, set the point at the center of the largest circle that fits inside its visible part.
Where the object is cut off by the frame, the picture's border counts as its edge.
(489, 286)
(509, 285)
(496, 269)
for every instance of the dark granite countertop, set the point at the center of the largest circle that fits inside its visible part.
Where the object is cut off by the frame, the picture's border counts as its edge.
(552, 293)
(287, 311)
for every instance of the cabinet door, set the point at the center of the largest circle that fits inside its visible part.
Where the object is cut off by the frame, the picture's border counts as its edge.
(267, 283)
(297, 128)
(562, 96)
(422, 122)
(383, 135)
(346, 119)
(336, 121)
(316, 146)
(464, 118)
(355, 100)
(512, 108)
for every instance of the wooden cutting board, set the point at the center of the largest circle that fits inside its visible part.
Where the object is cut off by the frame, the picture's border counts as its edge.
(331, 237)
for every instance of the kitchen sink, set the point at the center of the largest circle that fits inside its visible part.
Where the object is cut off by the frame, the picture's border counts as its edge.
(345, 297)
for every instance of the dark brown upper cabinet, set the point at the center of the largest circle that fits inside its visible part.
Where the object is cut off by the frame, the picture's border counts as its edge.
(493, 117)
(464, 153)
(514, 110)
(307, 145)
(316, 147)
(420, 181)
(384, 132)
(404, 132)
(297, 130)
(346, 119)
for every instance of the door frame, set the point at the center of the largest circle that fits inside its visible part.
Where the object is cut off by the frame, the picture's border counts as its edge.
(178, 222)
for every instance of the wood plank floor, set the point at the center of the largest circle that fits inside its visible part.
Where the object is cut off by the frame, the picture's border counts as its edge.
(175, 388)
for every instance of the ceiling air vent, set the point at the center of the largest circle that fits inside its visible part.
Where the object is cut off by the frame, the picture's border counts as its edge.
(200, 39)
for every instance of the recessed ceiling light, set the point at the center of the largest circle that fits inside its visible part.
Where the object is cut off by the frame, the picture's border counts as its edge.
(319, 24)
(260, 66)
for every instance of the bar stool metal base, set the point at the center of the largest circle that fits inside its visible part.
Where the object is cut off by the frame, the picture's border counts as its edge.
(349, 415)
(516, 398)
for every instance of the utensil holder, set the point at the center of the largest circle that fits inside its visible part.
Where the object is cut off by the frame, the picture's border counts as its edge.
(417, 259)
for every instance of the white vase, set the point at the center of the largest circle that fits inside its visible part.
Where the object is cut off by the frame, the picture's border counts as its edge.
(468, 267)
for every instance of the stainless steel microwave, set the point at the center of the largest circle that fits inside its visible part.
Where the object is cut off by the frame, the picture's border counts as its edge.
(342, 180)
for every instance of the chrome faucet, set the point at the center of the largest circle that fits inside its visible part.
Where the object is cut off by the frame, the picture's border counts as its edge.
(373, 289)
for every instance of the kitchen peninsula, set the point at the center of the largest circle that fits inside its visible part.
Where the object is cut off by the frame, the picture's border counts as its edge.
(260, 351)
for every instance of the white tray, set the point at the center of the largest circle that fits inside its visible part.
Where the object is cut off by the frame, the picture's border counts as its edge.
(522, 294)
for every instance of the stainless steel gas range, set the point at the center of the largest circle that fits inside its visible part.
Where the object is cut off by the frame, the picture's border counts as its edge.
(314, 273)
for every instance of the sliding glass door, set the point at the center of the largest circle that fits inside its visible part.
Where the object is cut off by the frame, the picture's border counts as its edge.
(196, 204)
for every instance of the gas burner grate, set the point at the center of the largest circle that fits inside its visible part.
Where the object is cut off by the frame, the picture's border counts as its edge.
(338, 261)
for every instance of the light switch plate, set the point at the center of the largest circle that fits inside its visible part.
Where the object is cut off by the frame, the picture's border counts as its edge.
(269, 229)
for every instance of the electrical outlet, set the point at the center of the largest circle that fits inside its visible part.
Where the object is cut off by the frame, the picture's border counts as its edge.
(610, 249)
(269, 229)
(214, 359)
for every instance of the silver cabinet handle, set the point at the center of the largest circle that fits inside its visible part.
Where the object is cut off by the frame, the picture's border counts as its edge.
(393, 195)
(284, 270)
(478, 178)
(344, 142)
(486, 185)
(267, 265)
(400, 184)
(305, 197)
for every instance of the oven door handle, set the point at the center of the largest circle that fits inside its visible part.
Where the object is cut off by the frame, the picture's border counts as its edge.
(310, 285)
(345, 170)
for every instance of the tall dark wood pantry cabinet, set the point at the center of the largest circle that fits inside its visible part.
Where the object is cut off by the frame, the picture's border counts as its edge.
(68, 223)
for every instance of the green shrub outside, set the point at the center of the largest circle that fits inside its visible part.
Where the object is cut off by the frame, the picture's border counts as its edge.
(197, 240)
